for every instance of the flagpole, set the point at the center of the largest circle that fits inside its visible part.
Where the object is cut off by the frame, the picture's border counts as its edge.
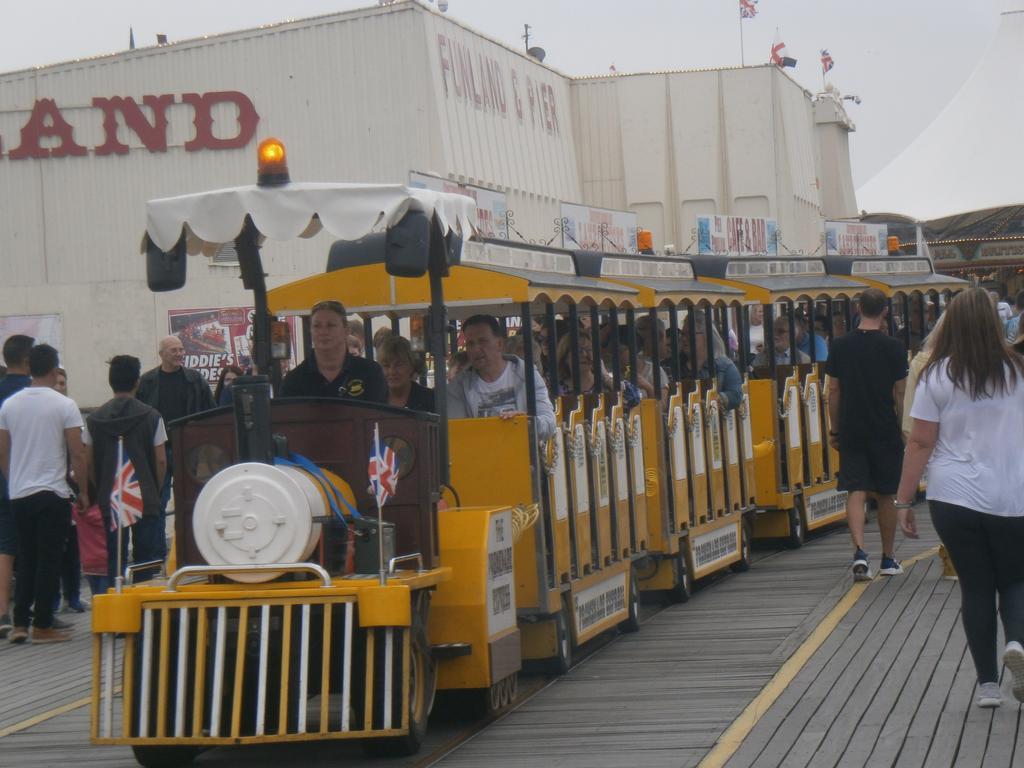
(119, 578)
(380, 510)
(743, 62)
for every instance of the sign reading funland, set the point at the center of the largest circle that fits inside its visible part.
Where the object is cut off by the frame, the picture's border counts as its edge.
(737, 236)
(214, 338)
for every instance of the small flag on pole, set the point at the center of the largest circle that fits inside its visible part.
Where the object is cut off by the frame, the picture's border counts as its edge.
(383, 469)
(779, 57)
(748, 9)
(126, 493)
(131, 39)
(826, 61)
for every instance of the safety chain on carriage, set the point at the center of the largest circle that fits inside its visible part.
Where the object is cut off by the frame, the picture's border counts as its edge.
(673, 423)
(616, 434)
(692, 417)
(575, 443)
(711, 412)
(807, 400)
(633, 433)
(785, 405)
(551, 464)
(741, 409)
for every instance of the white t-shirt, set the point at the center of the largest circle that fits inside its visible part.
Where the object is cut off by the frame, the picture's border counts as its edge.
(756, 339)
(494, 397)
(159, 437)
(36, 418)
(974, 464)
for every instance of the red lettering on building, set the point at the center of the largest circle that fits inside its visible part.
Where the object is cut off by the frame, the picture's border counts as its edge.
(153, 135)
(46, 121)
(203, 104)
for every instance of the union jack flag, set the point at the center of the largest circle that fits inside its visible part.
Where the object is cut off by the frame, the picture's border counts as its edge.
(126, 493)
(826, 61)
(748, 9)
(383, 469)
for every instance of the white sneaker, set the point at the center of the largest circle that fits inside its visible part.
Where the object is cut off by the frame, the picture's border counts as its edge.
(989, 695)
(1013, 658)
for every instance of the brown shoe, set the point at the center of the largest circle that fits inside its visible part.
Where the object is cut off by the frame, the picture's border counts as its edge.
(49, 635)
(19, 635)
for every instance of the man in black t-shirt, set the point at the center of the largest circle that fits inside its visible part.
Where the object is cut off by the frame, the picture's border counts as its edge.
(867, 377)
(330, 371)
(175, 391)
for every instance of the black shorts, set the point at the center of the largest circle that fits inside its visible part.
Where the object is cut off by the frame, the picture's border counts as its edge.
(874, 467)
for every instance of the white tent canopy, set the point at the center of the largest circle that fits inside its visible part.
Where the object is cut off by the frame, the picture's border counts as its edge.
(969, 158)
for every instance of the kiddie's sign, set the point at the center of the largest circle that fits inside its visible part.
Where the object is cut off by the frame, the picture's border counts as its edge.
(220, 119)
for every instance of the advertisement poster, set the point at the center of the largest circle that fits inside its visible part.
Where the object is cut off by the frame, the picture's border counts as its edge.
(599, 229)
(737, 236)
(844, 238)
(214, 338)
(45, 329)
(490, 205)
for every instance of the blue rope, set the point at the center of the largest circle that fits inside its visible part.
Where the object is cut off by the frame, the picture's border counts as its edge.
(334, 496)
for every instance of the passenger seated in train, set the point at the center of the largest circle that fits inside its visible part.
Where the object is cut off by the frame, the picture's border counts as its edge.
(401, 368)
(643, 383)
(803, 340)
(653, 342)
(780, 347)
(330, 371)
(565, 382)
(730, 383)
(495, 384)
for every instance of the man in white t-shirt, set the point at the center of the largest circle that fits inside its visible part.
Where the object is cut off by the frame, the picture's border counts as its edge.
(495, 384)
(39, 429)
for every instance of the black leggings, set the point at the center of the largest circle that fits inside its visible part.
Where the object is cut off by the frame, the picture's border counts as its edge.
(988, 552)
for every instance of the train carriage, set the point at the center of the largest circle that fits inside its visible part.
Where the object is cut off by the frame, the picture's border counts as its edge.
(795, 467)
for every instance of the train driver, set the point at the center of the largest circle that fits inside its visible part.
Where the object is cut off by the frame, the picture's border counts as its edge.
(330, 371)
(495, 383)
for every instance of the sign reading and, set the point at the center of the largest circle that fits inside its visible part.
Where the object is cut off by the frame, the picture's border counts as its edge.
(47, 133)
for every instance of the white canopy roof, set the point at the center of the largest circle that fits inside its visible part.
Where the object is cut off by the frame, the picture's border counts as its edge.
(347, 211)
(969, 158)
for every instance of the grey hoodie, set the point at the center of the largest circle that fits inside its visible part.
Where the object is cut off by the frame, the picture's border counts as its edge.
(462, 393)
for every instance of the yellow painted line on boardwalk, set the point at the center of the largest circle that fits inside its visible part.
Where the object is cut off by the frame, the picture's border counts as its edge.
(741, 727)
(42, 717)
(49, 714)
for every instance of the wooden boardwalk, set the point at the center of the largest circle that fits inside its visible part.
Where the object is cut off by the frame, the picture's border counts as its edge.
(892, 685)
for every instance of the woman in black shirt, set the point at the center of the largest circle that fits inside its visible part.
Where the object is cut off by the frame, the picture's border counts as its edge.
(400, 370)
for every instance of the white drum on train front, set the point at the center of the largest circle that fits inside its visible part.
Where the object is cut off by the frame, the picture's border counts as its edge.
(257, 514)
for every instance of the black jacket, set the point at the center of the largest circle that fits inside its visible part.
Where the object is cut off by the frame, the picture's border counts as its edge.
(137, 422)
(200, 398)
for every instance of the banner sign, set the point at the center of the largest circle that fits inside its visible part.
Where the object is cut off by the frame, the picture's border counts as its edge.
(737, 236)
(846, 238)
(491, 206)
(45, 329)
(214, 338)
(599, 229)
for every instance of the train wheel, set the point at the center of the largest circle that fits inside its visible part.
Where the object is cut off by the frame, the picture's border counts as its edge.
(560, 663)
(632, 621)
(164, 757)
(796, 537)
(496, 696)
(683, 588)
(743, 564)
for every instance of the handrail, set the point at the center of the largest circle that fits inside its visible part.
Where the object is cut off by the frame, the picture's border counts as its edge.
(216, 570)
(131, 570)
(404, 558)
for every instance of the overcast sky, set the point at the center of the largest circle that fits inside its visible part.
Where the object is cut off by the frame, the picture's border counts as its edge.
(904, 58)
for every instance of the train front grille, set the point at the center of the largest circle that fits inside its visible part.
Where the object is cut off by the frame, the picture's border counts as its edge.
(250, 670)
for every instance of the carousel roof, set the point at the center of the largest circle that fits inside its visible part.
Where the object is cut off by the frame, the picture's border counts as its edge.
(968, 159)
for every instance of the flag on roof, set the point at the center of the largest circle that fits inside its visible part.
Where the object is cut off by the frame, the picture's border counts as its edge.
(612, 69)
(383, 469)
(131, 39)
(826, 61)
(779, 57)
(126, 493)
(748, 9)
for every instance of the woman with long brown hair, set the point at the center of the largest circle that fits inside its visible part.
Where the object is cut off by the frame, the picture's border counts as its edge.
(968, 413)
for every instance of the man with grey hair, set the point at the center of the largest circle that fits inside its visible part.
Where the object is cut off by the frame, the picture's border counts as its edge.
(175, 391)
